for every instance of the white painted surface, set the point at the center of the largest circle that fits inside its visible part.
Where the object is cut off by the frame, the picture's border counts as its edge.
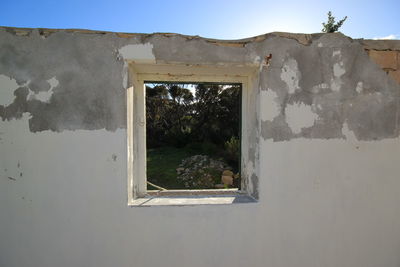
(269, 108)
(322, 203)
(291, 75)
(338, 71)
(299, 116)
(192, 200)
(331, 203)
(337, 53)
(7, 88)
(359, 87)
(336, 84)
(53, 82)
(140, 53)
(44, 96)
(319, 88)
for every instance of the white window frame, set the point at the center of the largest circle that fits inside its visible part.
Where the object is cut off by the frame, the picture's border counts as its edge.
(138, 74)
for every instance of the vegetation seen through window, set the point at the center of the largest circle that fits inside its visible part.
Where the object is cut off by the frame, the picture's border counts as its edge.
(193, 135)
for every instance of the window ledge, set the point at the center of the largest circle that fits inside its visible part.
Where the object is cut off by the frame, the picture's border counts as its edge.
(191, 200)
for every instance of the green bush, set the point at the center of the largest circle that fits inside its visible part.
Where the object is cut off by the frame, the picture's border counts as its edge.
(331, 26)
(232, 149)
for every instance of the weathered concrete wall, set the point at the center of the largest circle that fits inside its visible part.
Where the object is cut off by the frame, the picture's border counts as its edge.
(330, 85)
(326, 127)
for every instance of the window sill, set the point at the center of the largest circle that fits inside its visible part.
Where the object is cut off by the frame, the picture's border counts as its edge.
(191, 199)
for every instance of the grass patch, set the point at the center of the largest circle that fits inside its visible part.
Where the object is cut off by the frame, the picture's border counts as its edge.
(162, 163)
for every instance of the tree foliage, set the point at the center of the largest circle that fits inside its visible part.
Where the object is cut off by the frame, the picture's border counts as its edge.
(331, 26)
(176, 116)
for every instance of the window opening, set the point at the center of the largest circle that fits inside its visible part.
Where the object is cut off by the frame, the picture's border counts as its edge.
(193, 135)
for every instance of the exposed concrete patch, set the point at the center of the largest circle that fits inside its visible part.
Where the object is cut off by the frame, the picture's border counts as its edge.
(381, 121)
(140, 53)
(334, 40)
(255, 186)
(7, 88)
(290, 75)
(277, 130)
(299, 116)
(330, 116)
(252, 155)
(179, 49)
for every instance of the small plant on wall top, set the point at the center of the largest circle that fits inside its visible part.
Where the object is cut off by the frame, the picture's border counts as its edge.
(331, 26)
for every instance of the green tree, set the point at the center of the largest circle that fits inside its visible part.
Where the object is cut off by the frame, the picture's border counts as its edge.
(217, 112)
(158, 106)
(176, 117)
(331, 26)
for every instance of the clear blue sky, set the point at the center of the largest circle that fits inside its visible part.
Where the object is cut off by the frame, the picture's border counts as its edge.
(225, 19)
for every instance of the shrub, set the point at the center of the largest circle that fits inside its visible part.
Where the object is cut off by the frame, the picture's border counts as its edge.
(331, 26)
(232, 149)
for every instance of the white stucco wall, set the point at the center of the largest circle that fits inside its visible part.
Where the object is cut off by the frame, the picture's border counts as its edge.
(322, 203)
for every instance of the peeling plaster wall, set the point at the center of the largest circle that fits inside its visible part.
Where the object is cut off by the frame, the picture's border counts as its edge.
(337, 82)
(65, 81)
(324, 147)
